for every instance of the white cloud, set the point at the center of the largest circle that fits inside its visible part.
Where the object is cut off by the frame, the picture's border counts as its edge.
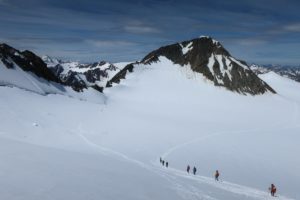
(250, 41)
(288, 28)
(292, 27)
(140, 29)
(137, 26)
(110, 43)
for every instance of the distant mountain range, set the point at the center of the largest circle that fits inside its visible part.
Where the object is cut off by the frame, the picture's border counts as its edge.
(81, 76)
(292, 72)
(204, 56)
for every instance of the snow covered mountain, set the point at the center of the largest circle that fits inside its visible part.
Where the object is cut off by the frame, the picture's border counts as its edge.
(25, 70)
(71, 149)
(202, 55)
(27, 61)
(66, 148)
(292, 72)
(81, 76)
(208, 57)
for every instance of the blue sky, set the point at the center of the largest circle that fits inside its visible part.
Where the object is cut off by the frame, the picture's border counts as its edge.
(265, 32)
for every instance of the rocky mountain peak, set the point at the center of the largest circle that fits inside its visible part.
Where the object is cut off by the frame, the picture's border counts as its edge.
(207, 56)
(81, 76)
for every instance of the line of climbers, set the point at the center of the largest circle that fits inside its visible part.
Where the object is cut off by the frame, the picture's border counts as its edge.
(164, 163)
(217, 174)
(272, 189)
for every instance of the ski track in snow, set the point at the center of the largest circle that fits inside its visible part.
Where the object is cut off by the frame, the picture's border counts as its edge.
(234, 188)
(223, 185)
(182, 190)
(178, 177)
(186, 192)
(218, 133)
(245, 191)
(107, 151)
(186, 185)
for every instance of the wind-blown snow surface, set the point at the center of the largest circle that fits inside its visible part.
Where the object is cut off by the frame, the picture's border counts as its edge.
(55, 147)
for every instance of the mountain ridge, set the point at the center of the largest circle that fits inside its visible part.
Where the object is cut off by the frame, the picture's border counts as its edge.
(81, 76)
(208, 57)
(202, 55)
(27, 60)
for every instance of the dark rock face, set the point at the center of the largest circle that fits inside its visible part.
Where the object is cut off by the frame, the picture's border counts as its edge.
(27, 60)
(72, 79)
(201, 50)
(121, 75)
(97, 74)
(208, 57)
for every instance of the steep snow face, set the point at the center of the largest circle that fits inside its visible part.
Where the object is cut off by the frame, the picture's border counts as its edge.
(17, 77)
(28, 72)
(80, 76)
(284, 85)
(71, 149)
(27, 61)
(25, 70)
(208, 57)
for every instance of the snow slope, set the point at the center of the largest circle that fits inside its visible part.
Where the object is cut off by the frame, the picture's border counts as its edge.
(210, 59)
(17, 77)
(292, 72)
(64, 148)
(27, 80)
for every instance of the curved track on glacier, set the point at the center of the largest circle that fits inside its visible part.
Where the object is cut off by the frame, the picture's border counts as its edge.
(247, 192)
(190, 186)
(217, 133)
(198, 187)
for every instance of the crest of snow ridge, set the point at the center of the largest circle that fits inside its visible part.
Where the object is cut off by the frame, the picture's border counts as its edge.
(208, 57)
(27, 61)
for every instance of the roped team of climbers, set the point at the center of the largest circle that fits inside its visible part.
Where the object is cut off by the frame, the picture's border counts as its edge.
(272, 189)
(164, 163)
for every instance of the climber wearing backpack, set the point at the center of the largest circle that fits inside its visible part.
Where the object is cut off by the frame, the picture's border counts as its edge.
(194, 170)
(217, 174)
(188, 169)
(272, 190)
